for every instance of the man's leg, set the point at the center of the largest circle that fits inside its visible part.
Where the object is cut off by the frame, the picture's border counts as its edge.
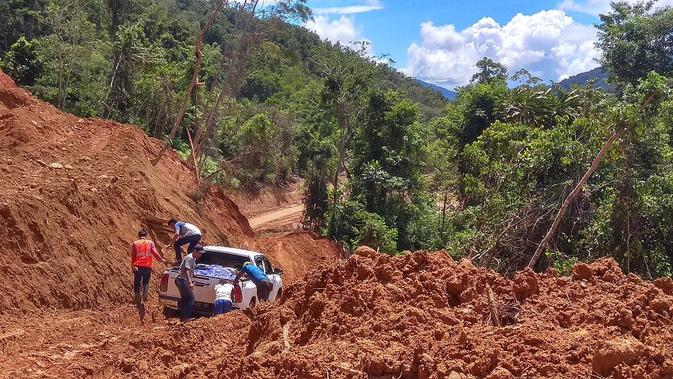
(193, 241)
(263, 290)
(147, 274)
(177, 246)
(187, 298)
(218, 308)
(226, 307)
(137, 278)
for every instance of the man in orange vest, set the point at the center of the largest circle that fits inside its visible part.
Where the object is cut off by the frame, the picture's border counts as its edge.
(142, 252)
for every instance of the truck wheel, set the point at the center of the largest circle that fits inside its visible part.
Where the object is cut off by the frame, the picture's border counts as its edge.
(253, 303)
(170, 312)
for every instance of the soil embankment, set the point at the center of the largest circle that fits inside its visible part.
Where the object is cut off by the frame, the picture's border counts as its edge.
(74, 193)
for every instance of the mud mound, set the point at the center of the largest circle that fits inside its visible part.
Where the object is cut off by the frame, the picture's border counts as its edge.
(75, 191)
(423, 315)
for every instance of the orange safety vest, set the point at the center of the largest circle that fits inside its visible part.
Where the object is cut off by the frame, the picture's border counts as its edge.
(141, 253)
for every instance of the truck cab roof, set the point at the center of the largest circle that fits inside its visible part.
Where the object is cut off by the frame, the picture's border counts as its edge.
(231, 250)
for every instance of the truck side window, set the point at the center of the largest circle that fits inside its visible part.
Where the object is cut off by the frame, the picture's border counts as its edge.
(260, 263)
(267, 266)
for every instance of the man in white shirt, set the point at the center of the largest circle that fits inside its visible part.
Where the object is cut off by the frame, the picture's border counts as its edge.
(223, 292)
(185, 233)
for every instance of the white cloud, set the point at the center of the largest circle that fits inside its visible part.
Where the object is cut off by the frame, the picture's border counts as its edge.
(368, 6)
(549, 44)
(342, 30)
(596, 7)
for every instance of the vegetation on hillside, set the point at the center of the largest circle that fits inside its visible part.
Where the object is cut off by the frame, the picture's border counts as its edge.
(387, 162)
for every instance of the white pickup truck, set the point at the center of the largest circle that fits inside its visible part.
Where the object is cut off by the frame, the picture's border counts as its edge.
(245, 293)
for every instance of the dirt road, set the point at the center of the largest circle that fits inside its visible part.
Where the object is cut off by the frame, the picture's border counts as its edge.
(278, 217)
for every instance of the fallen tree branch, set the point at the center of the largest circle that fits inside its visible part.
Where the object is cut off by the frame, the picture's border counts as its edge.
(495, 318)
(578, 188)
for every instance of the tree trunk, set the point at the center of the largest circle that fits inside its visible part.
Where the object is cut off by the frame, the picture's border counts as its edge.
(594, 166)
(559, 216)
(446, 196)
(192, 84)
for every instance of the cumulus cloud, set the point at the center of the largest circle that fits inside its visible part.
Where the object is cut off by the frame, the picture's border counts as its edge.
(549, 44)
(342, 30)
(596, 7)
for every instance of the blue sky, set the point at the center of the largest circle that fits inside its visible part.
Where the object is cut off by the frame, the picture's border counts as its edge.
(439, 41)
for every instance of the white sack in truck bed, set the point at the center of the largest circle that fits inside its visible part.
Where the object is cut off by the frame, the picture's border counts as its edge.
(215, 271)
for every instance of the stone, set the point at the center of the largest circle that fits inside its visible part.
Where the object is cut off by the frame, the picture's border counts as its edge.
(582, 271)
(615, 352)
(56, 166)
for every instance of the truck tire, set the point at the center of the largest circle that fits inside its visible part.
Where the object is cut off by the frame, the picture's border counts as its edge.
(170, 312)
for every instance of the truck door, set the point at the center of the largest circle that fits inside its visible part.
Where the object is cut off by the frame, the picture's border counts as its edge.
(275, 279)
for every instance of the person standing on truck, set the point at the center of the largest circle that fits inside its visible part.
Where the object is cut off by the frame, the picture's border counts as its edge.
(262, 282)
(185, 233)
(143, 251)
(223, 297)
(185, 282)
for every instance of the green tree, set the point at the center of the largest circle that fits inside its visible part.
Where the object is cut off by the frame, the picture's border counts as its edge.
(635, 38)
(489, 71)
(22, 63)
(387, 162)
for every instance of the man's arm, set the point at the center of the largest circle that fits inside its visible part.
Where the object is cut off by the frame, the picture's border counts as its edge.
(133, 256)
(239, 275)
(156, 253)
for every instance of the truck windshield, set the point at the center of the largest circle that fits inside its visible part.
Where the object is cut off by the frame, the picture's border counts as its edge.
(222, 259)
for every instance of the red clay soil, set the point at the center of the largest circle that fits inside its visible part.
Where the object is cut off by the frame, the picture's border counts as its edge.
(421, 315)
(424, 315)
(74, 193)
(298, 253)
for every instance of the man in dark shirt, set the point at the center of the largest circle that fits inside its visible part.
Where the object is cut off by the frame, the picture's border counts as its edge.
(262, 282)
(185, 282)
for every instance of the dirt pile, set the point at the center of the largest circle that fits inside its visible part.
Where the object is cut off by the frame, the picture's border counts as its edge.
(421, 315)
(424, 315)
(74, 193)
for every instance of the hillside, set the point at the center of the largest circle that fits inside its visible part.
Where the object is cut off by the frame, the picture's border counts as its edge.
(74, 195)
(598, 76)
(448, 94)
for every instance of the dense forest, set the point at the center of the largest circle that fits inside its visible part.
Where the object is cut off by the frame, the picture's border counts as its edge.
(386, 162)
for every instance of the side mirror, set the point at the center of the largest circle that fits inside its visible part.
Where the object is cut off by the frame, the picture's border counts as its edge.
(278, 271)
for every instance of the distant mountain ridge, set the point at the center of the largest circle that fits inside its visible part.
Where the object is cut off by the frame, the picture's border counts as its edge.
(447, 93)
(598, 75)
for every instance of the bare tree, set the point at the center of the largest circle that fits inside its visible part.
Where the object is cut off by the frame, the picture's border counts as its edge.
(193, 84)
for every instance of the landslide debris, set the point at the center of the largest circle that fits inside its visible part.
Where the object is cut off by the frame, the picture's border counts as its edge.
(74, 193)
(424, 315)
